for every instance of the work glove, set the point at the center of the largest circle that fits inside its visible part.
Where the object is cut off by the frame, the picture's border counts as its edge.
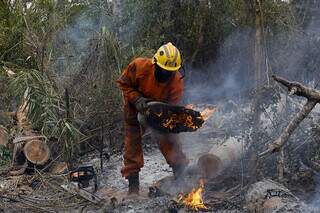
(141, 104)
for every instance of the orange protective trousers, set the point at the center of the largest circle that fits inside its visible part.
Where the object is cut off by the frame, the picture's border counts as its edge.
(138, 80)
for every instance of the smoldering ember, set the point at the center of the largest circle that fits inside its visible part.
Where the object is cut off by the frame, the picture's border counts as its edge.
(160, 106)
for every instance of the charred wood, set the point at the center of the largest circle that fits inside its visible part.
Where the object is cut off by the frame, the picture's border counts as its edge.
(296, 88)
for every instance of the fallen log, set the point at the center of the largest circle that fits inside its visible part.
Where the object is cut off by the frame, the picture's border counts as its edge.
(220, 157)
(294, 88)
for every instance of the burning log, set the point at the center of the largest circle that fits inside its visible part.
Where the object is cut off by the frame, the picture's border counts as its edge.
(220, 157)
(168, 118)
(270, 196)
(296, 88)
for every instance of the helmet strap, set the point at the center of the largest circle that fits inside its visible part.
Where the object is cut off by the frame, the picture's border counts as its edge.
(155, 60)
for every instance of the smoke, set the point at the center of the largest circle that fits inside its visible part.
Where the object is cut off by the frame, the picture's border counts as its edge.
(227, 76)
(74, 42)
(292, 53)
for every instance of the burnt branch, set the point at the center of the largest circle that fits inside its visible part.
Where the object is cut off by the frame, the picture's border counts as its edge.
(296, 88)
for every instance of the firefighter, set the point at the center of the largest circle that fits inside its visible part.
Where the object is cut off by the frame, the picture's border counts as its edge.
(146, 79)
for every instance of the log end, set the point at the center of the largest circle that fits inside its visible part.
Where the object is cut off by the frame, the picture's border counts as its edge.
(209, 165)
(37, 152)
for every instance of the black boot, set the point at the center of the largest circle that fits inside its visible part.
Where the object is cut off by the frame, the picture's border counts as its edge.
(133, 183)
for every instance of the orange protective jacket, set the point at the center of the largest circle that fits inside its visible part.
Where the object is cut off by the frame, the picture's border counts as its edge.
(137, 80)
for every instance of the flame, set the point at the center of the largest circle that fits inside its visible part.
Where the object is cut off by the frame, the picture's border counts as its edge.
(174, 119)
(194, 199)
(208, 112)
(189, 106)
(182, 119)
(158, 114)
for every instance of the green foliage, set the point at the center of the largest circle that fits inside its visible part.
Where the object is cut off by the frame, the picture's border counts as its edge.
(279, 16)
(46, 108)
(6, 97)
(94, 40)
(5, 155)
(11, 33)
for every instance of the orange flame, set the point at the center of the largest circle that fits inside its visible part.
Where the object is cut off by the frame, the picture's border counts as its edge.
(194, 199)
(189, 106)
(208, 112)
(172, 121)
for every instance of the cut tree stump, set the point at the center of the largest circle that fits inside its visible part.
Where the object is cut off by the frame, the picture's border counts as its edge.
(37, 152)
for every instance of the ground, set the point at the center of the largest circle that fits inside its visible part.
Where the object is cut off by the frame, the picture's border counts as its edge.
(225, 193)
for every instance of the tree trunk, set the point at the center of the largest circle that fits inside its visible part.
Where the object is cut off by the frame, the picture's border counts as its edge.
(259, 49)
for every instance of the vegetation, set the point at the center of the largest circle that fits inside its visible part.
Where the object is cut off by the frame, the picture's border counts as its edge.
(66, 55)
(5, 155)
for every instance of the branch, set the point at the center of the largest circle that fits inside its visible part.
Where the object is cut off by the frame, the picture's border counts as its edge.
(294, 123)
(296, 88)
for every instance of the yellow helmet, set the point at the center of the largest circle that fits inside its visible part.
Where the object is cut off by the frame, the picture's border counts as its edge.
(168, 57)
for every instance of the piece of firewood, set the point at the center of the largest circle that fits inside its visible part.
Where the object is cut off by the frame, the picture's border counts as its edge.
(296, 88)
(37, 152)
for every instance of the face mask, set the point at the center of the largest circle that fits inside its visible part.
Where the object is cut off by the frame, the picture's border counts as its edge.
(162, 75)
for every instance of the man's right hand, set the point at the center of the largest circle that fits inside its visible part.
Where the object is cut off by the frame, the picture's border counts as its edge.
(141, 104)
